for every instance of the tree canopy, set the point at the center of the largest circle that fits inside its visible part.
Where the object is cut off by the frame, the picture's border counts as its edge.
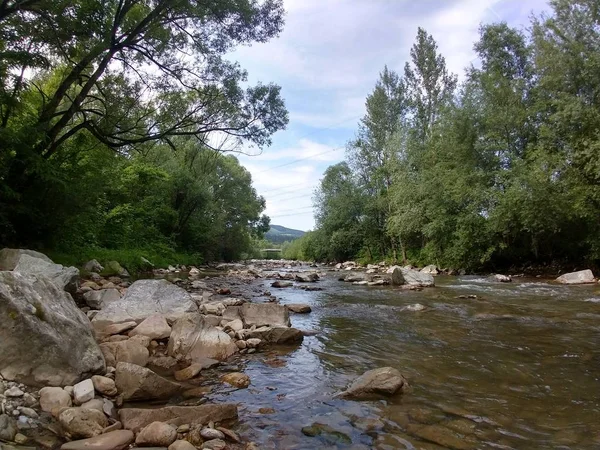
(497, 170)
(121, 108)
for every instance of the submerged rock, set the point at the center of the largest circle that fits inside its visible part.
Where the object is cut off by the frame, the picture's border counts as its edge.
(581, 277)
(8, 428)
(277, 335)
(327, 433)
(145, 298)
(382, 381)
(299, 308)
(37, 316)
(282, 284)
(236, 379)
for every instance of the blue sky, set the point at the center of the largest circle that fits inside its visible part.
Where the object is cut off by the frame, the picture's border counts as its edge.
(327, 61)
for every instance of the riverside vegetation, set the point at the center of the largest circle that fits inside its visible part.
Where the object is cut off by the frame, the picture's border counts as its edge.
(114, 121)
(502, 169)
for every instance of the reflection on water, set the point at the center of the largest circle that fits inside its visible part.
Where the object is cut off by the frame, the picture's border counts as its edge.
(517, 367)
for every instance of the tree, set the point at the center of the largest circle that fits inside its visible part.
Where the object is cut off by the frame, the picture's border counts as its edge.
(128, 74)
(429, 85)
(372, 153)
(339, 214)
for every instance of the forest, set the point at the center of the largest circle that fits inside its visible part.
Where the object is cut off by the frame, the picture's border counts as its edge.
(119, 123)
(501, 169)
(120, 120)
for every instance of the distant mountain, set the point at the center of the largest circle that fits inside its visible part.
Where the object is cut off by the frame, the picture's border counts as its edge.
(278, 234)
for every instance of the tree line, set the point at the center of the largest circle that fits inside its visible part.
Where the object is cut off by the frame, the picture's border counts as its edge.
(500, 169)
(116, 117)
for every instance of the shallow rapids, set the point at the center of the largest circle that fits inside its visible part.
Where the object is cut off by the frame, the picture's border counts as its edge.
(516, 367)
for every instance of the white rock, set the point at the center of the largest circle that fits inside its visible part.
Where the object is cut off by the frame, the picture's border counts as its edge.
(83, 392)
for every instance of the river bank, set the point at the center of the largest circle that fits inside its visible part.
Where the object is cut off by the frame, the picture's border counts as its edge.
(489, 364)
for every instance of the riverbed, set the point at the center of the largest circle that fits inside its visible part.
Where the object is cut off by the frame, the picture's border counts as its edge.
(491, 365)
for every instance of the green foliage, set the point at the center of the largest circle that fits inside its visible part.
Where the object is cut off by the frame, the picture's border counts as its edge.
(109, 115)
(128, 258)
(500, 170)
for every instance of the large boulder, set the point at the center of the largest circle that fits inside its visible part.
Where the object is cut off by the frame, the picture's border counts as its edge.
(82, 422)
(66, 278)
(53, 399)
(155, 327)
(9, 257)
(101, 298)
(193, 339)
(402, 275)
(135, 419)
(46, 339)
(130, 351)
(145, 298)
(383, 381)
(138, 383)
(259, 314)
(581, 277)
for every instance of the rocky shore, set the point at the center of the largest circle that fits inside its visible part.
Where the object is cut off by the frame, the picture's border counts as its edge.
(108, 363)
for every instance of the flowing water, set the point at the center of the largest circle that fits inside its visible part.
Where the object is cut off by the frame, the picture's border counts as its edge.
(516, 368)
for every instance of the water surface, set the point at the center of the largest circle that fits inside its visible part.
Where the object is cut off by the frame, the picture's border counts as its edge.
(518, 367)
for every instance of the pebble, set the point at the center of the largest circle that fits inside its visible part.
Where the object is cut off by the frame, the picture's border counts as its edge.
(21, 438)
(83, 392)
(29, 412)
(29, 399)
(211, 433)
(14, 392)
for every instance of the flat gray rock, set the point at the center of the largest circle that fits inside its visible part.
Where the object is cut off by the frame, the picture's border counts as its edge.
(145, 298)
(581, 277)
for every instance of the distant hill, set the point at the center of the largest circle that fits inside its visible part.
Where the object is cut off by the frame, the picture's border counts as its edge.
(278, 234)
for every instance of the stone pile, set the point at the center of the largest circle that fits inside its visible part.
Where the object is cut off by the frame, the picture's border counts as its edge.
(71, 370)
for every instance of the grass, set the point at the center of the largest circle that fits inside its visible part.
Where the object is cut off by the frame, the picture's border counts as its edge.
(128, 258)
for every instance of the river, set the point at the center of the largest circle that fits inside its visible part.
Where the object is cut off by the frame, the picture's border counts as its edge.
(518, 367)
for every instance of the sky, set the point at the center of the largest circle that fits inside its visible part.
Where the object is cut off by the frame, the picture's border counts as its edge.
(328, 59)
